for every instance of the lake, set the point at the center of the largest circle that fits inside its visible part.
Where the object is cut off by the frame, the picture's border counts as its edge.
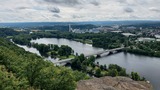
(148, 67)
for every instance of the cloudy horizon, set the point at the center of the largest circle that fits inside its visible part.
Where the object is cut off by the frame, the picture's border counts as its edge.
(78, 10)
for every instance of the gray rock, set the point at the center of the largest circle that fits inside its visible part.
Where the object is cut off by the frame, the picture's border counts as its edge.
(113, 83)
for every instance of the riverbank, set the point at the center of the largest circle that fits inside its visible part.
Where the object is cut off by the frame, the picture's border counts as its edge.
(87, 41)
(147, 52)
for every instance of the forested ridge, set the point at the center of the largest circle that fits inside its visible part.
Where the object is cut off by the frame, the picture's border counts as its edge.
(23, 70)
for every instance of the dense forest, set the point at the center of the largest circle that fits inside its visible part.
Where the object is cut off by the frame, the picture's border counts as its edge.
(22, 70)
(145, 48)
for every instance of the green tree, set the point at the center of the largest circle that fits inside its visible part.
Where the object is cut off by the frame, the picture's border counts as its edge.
(55, 47)
(82, 57)
(33, 70)
(98, 73)
(9, 82)
(135, 76)
(65, 50)
(76, 64)
(113, 72)
(122, 72)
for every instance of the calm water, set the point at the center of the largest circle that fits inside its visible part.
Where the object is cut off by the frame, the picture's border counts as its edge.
(147, 67)
(30, 49)
(157, 36)
(76, 46)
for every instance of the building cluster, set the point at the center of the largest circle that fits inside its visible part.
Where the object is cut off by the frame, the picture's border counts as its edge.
(125, 30)
(94, 30)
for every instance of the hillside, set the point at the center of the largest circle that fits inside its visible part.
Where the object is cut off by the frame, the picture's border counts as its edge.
(21, 70)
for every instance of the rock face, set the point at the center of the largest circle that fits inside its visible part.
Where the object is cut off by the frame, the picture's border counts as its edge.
(113, 83)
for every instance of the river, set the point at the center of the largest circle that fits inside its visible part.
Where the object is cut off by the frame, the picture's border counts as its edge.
(148, 67)
(76, 46)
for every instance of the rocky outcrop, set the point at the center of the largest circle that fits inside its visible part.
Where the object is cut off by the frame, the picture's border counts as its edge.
(113, 83)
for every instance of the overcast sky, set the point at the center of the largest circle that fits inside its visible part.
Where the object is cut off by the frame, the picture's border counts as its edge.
(78, 10)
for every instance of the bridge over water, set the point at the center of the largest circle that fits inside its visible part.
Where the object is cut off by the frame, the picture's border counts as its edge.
(101, 52)
(63, 62)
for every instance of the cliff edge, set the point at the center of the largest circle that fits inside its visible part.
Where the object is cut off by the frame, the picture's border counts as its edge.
(113, 83)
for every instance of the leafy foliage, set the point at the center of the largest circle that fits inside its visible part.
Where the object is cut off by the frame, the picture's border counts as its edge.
(25, 70)
(4, 32)
(53, 50)
(9, 82)
(146, 48)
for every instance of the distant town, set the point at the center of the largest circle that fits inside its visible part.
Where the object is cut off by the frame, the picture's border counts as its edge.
(145, 34)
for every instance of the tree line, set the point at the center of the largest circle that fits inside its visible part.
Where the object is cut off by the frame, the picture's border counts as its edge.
(145, 48)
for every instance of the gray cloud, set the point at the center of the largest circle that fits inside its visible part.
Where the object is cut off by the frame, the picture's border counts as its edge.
(76, 16)
(154, 9)
(54, 9)
(64, 2)
(122, 1)
(78, 10)
(128, 10)
(21, 8)
(7, 10)
(96, 3)
(57, 16)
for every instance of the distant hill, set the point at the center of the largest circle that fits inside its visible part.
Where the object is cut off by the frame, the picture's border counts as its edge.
(104, 23)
